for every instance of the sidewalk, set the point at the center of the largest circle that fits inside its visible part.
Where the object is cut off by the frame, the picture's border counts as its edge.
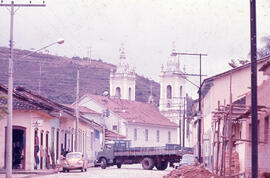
(29, 173)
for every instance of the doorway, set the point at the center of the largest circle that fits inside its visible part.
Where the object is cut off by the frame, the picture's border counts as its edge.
(18, 147)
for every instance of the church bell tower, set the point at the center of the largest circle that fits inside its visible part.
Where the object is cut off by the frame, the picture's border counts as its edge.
(122, 80)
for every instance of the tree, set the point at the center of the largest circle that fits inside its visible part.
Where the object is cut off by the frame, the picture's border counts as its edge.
(264, 51)
(236, 63)
(3, 106)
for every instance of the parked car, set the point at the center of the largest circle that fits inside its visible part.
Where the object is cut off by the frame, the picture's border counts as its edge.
(188, 159)
(74, 160)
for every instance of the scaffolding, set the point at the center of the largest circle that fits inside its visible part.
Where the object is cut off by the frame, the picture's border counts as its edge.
(226, 116)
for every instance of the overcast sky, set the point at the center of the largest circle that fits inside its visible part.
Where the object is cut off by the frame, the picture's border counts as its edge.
(219, 28)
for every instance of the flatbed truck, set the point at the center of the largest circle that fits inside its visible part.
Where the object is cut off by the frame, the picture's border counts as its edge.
(119, 152)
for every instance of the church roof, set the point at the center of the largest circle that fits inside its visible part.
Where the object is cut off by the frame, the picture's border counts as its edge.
(134, 111)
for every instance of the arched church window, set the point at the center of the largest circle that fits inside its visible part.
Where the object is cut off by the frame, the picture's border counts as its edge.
(129, 93)
(118, 92)
(169, 91)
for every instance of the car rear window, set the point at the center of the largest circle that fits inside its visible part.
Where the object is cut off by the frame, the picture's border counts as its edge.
(74, 155)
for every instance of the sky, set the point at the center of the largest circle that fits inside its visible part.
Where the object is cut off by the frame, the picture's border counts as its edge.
(147, 28)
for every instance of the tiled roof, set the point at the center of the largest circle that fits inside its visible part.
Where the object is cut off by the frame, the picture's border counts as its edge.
(264, 59)
(40, 101)
(24, 99)
(134, 111)
(265, 66)
(82, 109)
(110, 135)
(208, 82)
(19, 103)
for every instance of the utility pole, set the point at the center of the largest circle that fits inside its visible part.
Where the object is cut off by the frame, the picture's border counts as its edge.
(254, 111)
(180, 135)
(200, 112)
(184, 117)
(77, 109)
(10, 86)
(230, 129)
(39, 82)
(90, 52)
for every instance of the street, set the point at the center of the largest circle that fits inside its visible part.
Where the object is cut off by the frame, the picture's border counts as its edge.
(130, 171)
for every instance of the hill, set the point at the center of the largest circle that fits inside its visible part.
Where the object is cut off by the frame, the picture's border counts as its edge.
(56, 76)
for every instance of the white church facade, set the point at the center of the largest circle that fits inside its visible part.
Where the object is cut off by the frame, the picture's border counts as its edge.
(172, 102)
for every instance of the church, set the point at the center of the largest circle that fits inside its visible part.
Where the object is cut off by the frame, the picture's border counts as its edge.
(142, 123)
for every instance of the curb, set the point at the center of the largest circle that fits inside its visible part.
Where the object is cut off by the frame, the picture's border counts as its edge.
(41, 172)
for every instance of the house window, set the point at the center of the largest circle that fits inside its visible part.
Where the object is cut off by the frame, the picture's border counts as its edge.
(57, 144)
(250, 131)
(72, 135)
(83, 143)
(169, 136)
(80, 140)
(92, 141)
(146, 134)
(41, 145)
(157, 135)
(266, 129)
(169, 92)
(258, 130)
(65, 145)
(135, 134)
(181, 91)
(96, 133)
(129, 93)
(114, 127)
(118, 92)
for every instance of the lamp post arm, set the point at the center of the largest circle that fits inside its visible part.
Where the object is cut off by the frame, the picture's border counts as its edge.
(33, 52)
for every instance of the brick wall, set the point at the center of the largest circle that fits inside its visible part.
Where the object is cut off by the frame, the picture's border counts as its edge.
(235, 163)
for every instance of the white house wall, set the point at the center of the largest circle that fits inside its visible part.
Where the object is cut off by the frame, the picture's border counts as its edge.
(220, 92)
(93, 117)
(110, 121)
(152, 136)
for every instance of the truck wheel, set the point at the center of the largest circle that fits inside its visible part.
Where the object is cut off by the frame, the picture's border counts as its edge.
(148, 163)
(119, 165)
(162, 165)
(103, 163)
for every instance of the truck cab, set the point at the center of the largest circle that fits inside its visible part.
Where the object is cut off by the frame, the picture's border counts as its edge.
(106, 157)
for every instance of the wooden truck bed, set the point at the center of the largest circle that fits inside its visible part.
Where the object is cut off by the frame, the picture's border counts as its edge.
(143, 151)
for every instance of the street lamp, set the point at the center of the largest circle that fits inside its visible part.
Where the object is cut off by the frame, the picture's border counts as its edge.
(59, 41)
(10, 104)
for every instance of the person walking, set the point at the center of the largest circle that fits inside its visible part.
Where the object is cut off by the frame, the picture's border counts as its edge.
(36, 150)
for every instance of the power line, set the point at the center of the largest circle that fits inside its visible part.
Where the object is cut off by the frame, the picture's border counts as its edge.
(199, 120)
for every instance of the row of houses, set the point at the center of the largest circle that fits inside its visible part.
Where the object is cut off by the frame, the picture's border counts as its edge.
(38, 121)
(216, 112)
(44, 130)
